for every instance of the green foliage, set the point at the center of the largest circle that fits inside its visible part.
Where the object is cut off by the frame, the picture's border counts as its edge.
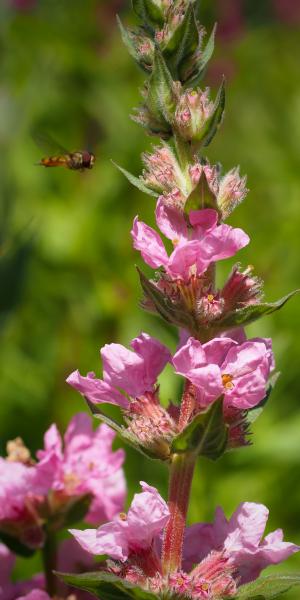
(266, 588)
(106, 586)
(206, 435)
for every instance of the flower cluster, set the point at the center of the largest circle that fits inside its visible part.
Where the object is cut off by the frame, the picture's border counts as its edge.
(226, 378)
(66, 479)
(216, 559)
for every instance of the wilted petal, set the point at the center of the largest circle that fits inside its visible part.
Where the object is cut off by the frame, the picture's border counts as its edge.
(148, 242)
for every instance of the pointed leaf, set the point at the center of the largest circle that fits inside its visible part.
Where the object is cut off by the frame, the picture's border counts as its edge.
(127, 40)
(213, 123)
(136, 181)
(266, 588)
(200, 66)
(183, 43)
(149, 12)
(206, 435)
(106, 586)
(248, 314)
(160, 97)
(201, 196)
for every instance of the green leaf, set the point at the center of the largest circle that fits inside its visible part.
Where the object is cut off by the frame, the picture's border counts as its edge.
(200, 66)
(106, 586)
(201, 196)
(206, 435)
(248, 314)
(160, 97)
(136, 181)
(127, 40)
(183, 43)
(149, 12)
(16, 546)
(213, 123)
(266, 588)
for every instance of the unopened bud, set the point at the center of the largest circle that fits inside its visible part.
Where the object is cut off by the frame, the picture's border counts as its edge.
(193, 110)
(232, 190)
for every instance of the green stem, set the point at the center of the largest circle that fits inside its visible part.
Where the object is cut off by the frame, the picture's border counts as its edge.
(49, 563)
(181, 476)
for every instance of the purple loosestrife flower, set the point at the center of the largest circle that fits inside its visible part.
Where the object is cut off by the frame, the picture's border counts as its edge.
(84, 468)
(135, 373)
(222, 366)
(217, 557)
(198, 243)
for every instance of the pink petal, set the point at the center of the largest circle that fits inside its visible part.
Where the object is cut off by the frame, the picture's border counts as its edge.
(35, 595)
(52, 440)
(147, 516)
(247, 391)
(171, 221)
(155, 356)
(187, 258)
(244, 359)
(108, 539)
(203, 221)
(198, 542)
(246, 527)
(224, 241)
(96, 390)
(148, 242)
(79, 432)
(190, 356)
(217, 349)
(123, 368)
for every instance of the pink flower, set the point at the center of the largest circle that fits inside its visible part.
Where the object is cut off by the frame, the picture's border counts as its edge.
(8, 589)
(223, 366)
(128, 534)
(134, 372)
(74, 468)
(240, 539)
(35, 595)
(197, 243)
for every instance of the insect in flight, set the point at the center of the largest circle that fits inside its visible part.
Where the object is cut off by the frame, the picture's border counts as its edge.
(60, 157)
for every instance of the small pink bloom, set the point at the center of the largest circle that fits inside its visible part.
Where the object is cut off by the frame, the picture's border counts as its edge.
(134, 372)
(74, 468)
(197, 243)
(224, 367)
(241, 541)
(35, 595)
(10, 590)
(131, 533)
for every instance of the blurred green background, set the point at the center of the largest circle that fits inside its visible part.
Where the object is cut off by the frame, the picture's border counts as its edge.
(68, 282)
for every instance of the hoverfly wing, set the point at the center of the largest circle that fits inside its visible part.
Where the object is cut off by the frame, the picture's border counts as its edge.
(46, 143)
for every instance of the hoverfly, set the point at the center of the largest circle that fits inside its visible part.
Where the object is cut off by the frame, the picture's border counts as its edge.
(60, 157)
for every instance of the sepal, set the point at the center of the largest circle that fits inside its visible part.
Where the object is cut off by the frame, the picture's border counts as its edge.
(246, 315)
(158, 451)
(136, 181)
(150, 13)
(182, 44)
(206, 435)
(267, 588)
(156, 113)
(106, 586)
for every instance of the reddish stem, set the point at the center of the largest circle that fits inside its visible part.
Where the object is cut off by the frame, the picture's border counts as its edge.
(187, 405)
(181, 475)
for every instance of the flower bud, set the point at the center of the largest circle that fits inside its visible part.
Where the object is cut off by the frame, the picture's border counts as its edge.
(163, 173)
(193, 111)
(232, 190)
